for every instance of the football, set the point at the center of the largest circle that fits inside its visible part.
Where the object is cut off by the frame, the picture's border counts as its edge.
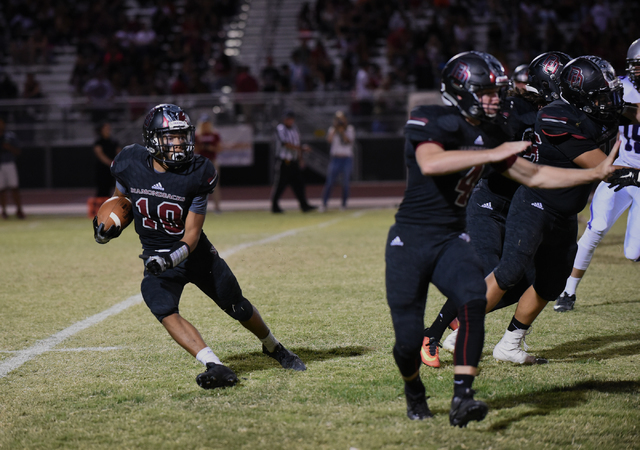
(115, 211)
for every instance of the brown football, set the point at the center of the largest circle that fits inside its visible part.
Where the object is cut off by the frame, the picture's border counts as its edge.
(115, 211)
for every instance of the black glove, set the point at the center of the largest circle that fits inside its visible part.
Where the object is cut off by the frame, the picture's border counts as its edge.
(103, 236)
(624, 177)
(160, 262)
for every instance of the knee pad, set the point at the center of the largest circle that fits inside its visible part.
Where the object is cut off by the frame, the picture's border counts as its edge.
(590, 239)
(470, 333)
(407, 360)
(508, 275)
(241, 311)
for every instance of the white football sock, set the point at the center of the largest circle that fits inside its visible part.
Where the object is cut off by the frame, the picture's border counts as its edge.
(270, 342)
(572, 285)
(206, 355)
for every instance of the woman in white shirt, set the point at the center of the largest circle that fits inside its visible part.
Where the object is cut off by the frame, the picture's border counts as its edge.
(342, 138)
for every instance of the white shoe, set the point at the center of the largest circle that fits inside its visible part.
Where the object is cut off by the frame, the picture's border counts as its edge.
(322, 208)
(449, 344)
(509, 349)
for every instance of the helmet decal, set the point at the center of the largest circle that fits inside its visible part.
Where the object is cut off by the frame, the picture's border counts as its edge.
(461, 72)
(575, 78)
(551, 64)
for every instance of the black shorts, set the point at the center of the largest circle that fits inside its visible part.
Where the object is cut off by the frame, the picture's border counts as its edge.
(205, 269)
(416, 256)
(539, 236)
(486, 220)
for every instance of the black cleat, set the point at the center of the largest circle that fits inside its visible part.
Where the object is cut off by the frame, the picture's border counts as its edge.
(309, 208)
(286, 358)
(417, 408)
(277, 210)
(216, 376)
(464, 409)
(564, 303)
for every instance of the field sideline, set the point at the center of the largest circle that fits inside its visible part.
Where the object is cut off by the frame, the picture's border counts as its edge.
(318, 280)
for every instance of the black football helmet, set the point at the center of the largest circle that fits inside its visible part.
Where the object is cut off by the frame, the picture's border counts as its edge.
(633, 63)
(544, 75)
(520, 74)
(169, 135)
(465, 75)
(591, 84)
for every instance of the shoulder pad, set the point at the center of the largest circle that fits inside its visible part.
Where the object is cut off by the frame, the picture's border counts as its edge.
(559, 119)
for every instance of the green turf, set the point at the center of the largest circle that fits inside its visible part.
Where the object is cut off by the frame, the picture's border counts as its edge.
(321, 289)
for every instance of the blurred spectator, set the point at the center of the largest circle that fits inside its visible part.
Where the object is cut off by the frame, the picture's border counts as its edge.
(342, 137)
(423, 71)
(8, 88)
(299, 75)
(364, 87)
(9, 151)
(245, 82)
(105, 148)
(285, 78)
(305, 18)
(209, 145)
(99, 92)
(270, 76)
(31, 88)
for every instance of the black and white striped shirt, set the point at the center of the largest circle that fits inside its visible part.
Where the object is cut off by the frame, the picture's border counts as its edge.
(286, 135)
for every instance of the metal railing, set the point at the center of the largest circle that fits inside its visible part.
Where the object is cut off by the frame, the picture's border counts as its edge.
(70, 121)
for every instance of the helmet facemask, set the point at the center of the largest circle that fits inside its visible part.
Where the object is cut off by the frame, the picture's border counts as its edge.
(169, 136)
(175, 146)
(633, 63)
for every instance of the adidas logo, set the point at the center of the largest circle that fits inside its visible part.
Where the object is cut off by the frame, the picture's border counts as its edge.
(479, 141)
(538, 205)
(487, 206)
(397, 242)
(158, 186)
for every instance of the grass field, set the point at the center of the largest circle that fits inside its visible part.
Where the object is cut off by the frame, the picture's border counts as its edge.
(318, 280)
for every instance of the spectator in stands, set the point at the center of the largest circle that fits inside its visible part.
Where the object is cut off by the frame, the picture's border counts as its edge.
(99, 92)
(8, 87)
(299, 74)
(423, 71)
(31, 88)
(209, 145)
(285, 78)
(9, 151)
(364, 90)
(270, 76)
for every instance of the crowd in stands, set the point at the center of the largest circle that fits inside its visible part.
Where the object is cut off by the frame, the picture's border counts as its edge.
(179, 47)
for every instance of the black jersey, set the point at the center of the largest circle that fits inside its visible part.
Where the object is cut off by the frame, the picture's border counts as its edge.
(161, 201)
(441, 200)
(562, 133)
(520, 118)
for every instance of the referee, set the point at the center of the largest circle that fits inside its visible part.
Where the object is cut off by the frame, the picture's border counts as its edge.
(289, 164)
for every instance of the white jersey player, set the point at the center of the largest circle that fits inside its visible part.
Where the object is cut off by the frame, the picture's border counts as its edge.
(608, 204)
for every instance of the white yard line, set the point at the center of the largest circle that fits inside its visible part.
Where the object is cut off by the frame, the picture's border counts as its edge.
(45, 345)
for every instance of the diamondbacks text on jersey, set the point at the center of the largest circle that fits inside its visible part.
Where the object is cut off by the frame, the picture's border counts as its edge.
(161, 201)
(442, 200)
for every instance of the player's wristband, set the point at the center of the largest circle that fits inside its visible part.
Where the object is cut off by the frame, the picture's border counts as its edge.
(179, 253)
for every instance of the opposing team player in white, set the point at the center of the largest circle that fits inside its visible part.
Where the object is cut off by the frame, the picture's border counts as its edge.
(609, 204)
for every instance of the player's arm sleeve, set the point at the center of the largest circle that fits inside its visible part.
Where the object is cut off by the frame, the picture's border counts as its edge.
(121, 188)
(199, 204)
